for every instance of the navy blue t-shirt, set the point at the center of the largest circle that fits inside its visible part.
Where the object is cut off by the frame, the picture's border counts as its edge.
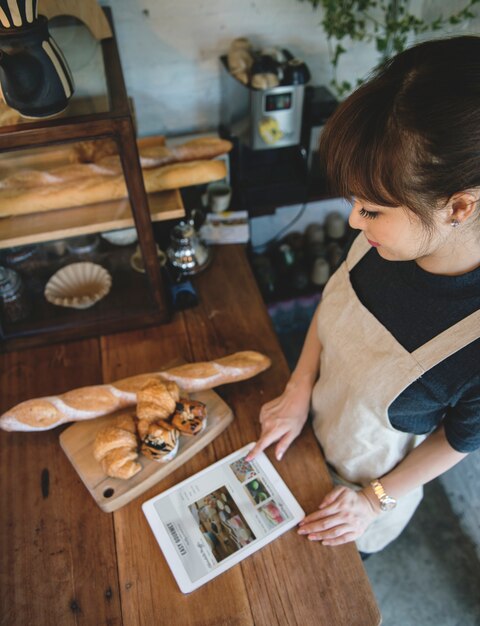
(415, 306)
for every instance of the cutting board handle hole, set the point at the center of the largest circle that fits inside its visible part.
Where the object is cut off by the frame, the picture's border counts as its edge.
(108, 493)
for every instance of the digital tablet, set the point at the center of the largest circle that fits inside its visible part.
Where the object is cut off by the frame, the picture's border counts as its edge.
(216, 518)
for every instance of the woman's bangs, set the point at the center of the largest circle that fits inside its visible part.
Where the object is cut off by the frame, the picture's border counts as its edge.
(367, 179)
(363, 154)
(366, 168)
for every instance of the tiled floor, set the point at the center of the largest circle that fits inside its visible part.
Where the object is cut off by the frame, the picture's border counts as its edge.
(430, 576)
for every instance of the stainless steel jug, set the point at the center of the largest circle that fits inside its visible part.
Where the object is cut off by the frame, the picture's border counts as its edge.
(187, 252)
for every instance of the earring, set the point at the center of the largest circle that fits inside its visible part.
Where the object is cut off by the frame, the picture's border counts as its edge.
(455, 223)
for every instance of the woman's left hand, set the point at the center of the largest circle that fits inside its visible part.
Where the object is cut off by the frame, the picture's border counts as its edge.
(343, 516)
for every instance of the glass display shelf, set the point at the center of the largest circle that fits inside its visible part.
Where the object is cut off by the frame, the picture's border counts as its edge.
(135, 300)
(107, 315)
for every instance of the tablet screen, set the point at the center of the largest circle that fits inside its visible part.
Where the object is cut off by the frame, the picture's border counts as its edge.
(211, 521)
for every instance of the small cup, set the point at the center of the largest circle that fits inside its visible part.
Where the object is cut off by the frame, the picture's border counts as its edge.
(219, 196)
(296, 72)
(136, 260)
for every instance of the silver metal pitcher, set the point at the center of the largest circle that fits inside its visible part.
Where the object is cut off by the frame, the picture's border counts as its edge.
(187, 252)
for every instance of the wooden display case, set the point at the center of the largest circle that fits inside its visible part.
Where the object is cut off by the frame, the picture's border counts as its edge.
(135, 299)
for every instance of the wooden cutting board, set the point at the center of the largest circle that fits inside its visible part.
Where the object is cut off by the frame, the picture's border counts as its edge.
(112, 493)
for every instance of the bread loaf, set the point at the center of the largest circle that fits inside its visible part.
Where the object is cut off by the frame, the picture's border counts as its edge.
(90, 402)
(8, 115)
(31, 191)
(195, 376)
(152, 154)
(201, 148)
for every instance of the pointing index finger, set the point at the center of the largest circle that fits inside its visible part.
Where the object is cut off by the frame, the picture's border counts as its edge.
(260, 446)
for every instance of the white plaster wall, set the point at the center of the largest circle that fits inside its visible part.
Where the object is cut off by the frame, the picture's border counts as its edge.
(170, 50)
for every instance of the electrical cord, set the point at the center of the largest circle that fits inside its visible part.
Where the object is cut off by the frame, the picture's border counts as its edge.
(284, 229)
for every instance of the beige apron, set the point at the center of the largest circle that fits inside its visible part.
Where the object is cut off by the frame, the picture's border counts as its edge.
(363, 369)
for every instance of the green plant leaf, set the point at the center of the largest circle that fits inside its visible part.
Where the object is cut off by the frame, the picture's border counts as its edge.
(381, 43)
(388, 23)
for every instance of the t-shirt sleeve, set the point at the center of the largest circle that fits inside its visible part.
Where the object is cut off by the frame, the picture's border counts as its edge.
(462, 421)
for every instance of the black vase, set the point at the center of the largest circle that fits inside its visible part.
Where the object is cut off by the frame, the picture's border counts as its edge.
(34, 76)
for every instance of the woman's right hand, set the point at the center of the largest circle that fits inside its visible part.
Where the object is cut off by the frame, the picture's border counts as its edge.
(283, 418)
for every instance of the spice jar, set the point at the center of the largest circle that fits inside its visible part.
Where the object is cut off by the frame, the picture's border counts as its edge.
(84, 245)
(320, 272)
(13, 296)
(335, 226)
(23, 259)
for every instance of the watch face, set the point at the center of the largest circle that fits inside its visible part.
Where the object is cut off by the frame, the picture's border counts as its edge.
(388, 503)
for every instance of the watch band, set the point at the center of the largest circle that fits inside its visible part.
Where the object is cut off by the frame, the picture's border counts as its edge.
(387, 503)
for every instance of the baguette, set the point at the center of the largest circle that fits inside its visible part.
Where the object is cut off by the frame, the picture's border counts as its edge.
(90, 402)
(201, 148)
(31, 191)
(155, 154)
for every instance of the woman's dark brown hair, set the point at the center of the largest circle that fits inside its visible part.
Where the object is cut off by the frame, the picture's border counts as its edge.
(410, 135)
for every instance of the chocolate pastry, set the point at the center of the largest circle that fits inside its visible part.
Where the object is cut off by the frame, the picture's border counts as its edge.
(161, 442)
(190, 416)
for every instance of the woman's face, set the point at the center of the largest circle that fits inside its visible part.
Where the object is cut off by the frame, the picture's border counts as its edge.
(396, 232)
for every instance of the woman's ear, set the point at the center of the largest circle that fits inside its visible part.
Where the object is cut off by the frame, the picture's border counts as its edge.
(464, 204)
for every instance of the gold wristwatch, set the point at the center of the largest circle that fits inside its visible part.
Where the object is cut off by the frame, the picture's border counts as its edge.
(387, 503)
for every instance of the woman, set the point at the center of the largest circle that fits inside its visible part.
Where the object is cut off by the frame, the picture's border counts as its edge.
(390, 364)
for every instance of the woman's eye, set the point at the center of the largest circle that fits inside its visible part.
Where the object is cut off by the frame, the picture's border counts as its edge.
(371, 215)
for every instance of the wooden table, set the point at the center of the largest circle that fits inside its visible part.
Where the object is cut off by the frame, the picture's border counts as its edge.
(64, 561)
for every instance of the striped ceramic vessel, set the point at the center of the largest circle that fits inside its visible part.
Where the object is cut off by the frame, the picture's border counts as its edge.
(16, 13)
(35, 78)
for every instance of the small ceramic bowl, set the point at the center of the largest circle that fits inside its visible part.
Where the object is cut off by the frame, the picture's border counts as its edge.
(83, 245)
(122, 237)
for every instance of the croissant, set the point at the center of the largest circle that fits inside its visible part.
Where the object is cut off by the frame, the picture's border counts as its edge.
(116, 448)
(157, 400)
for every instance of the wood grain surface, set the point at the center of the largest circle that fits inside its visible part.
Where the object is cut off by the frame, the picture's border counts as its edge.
(90, 567)
(57, 548)
(88, 11)
(22, 230)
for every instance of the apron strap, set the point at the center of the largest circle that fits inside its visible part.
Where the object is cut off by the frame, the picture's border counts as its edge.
(450, 341)
(358, 250)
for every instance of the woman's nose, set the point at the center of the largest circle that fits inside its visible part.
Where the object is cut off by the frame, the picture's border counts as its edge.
(355, 219)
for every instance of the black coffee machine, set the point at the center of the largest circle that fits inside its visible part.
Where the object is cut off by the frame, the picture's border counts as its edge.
(270, 129)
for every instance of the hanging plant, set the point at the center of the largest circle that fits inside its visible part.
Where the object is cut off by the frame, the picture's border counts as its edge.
(387, 23)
